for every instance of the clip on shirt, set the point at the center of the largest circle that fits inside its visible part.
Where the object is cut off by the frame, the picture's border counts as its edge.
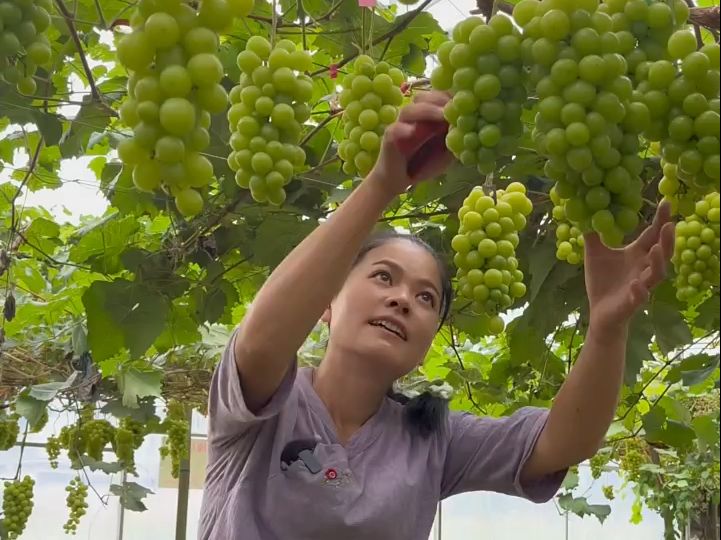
(301, 449)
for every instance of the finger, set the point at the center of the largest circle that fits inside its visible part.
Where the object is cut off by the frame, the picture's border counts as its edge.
(432, 159)
(435, 96)
(592, 243)
(651, 234)
(639, 293)
(668, 240)
(420, 133)
(656, 270)
(422, 112)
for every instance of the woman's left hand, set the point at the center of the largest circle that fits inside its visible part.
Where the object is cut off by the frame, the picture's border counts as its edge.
(619, 281)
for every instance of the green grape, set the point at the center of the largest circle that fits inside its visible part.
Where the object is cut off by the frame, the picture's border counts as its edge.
(597, 464)
(53, 448)
(177, 430)
(488, 272)
(608, 492)
(633, 453)
(371, 96)
(97, 434)
(483, 76)
(23, 43)
(9, 430)
(17, 505)
(173, 89)
(569, 239)
(76, 502)
(267, 123)
(696, 251)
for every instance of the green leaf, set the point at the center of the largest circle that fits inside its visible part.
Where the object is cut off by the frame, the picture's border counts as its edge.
(92, 118)
(50, 126)
(637, 351)
(80, 340)
(653, 422)
(678, 434)
(694, 369)
(707, 429)
(709, 317)
(669, 326)
(48, 391)
(580, 507)
(102, 245)
(143, 412)
(131, 495)
(107, 468)
(570, 482)
(136, 384)
(278, 236)
(30, 408)
(541, 260)
(123, 314)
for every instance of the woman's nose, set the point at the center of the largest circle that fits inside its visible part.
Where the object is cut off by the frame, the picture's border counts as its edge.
(399, 302)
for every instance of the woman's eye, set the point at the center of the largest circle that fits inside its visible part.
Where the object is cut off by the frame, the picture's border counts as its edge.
(428, 297)
(383, 276)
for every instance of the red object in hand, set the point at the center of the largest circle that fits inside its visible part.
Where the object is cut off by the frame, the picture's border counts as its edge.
(426, 139)
(333, 71)
(423, 132)
(405, 87)
(331, 474)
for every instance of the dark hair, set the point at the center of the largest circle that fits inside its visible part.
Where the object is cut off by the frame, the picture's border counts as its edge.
(424, 413)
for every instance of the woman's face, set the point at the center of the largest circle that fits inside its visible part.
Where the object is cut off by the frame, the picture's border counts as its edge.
(389, 307)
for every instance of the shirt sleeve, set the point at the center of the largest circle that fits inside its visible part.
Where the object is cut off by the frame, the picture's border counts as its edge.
(228, 414)
(488, 454)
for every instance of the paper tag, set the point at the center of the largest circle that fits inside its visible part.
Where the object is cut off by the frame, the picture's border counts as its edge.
(367, 3)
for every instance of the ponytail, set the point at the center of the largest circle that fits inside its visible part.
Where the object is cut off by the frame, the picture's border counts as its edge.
(424, 414)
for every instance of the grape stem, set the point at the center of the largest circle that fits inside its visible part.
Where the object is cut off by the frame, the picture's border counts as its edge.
(320, 126)
(452, 343)
(31, 167)
(95, 93)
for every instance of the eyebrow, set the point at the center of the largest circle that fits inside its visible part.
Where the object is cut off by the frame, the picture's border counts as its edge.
(427, 282)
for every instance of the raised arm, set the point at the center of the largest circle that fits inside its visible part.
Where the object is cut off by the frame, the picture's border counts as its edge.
(618, 283)
(298, 291)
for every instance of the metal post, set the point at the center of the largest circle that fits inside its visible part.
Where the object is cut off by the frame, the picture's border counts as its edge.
(121, 508)
(181, 515)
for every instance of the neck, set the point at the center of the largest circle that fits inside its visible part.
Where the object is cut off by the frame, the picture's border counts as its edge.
(351, 392)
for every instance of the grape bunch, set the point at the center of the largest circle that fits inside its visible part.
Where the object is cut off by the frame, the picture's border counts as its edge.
(17, 505)
(9, 429)
(73, 439)
(53, 447)
(485, 249)
(177, 429)
(173, 89)
(586, 124)
(97, 434)
(123, 445)
(696, 252)
(608, 492)
(633, 453)
(569, 238)
(77, 504)
(482, 68)
(370, 98)
(598, 463)
(270, 105)
(23, 43)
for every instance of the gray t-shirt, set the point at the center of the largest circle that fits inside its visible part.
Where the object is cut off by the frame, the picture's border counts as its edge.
(384, 483)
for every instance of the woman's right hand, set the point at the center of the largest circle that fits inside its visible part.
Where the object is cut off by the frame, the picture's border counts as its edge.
(414, 147)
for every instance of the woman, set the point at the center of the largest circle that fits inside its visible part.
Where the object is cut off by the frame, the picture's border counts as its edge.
(326, 454)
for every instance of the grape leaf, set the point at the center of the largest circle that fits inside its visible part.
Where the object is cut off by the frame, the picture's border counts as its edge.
(637, 351)
(136, 383)
(580, 507)
(30, 408)
(669, 326)
(131, 495)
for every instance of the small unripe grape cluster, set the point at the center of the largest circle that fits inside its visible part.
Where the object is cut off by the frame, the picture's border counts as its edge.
(371, 96)
(177, 429)
(53, 447)
(270, 105)
(23, 43)
(17, 505)
(569, 238)
(632, 454)
(77, 504)
(173, 88)
(97, 434)
(9, 429)
(586, 124)
(482, 68)
(485, 251)
(696, 252)
(675, 190)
